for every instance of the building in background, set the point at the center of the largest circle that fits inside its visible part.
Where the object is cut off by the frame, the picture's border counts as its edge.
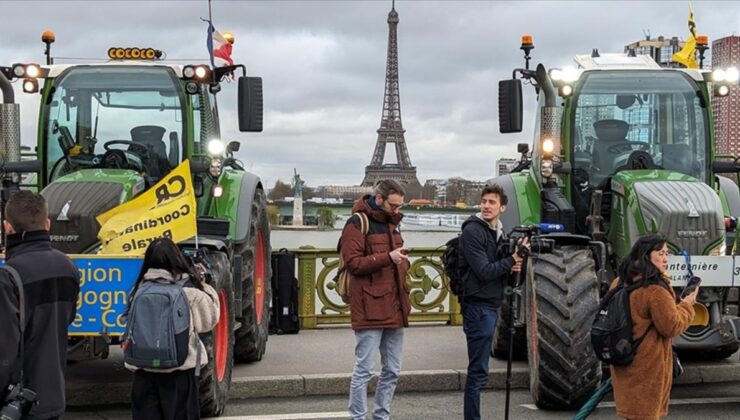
(660, 49)
(505, 165)
(726, 109)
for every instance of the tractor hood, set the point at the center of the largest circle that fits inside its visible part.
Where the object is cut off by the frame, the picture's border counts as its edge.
(687, 211)
(75, 201)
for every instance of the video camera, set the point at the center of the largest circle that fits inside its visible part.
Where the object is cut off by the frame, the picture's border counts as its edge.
(532, 232)
(18, 403)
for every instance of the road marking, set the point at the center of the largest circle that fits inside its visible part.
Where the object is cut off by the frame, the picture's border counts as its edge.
(682, 401)
(292, 416)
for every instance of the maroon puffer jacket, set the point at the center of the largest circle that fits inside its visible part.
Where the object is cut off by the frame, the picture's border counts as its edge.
(379, 295)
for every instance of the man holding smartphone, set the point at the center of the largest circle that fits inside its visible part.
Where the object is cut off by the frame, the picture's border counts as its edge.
(378, 295)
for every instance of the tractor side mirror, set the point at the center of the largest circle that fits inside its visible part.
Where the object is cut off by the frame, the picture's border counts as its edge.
(522, 148)
(510, 106)
(250, 104)
(232, 147)
(723, 166)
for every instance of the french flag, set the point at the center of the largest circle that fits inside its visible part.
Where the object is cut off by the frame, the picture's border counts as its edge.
(219, 47)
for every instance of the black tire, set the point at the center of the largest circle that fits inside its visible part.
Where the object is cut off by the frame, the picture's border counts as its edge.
(215, 377)
(500, 345)
(251, 337)
(561, 299)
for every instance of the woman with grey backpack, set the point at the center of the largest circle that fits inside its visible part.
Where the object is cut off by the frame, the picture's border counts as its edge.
(169, 304)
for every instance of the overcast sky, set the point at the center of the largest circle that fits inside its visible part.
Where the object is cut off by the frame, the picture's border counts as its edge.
(323, 66)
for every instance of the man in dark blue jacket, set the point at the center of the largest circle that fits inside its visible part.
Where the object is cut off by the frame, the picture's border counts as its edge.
(51, 285)
(483, 273)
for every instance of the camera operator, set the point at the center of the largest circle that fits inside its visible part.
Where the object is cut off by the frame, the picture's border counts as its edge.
(484, 272)
(51, 285)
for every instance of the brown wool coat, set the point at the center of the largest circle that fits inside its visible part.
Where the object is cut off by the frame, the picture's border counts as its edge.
(379, 295)
(641, 389)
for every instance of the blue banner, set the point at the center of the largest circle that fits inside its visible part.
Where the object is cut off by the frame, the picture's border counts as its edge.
(105, 283)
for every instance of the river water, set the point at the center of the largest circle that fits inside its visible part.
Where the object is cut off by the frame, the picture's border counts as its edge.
(428, 231)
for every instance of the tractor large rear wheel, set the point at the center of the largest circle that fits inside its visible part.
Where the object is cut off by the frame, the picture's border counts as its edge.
(561, 299)
(500, 345)
(251, 337)
(215, 377)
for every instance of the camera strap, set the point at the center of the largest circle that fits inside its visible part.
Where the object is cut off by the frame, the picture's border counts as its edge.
(21, 309)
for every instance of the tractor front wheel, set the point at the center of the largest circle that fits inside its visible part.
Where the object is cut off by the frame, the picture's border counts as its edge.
(561, 299)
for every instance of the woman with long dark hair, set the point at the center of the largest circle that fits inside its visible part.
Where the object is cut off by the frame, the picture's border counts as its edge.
(642, 388)
(170, 394)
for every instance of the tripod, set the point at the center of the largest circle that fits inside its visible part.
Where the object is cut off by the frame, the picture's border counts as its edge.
(512, 330)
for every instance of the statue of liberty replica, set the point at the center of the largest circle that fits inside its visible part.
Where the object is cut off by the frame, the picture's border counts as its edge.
(297, 199)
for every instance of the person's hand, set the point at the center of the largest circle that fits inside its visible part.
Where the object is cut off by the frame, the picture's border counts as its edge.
(517, 267)
(691, 298)
(398, 255)
(523, 243)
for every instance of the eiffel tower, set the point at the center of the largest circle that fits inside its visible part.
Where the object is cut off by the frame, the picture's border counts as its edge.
(391, 130)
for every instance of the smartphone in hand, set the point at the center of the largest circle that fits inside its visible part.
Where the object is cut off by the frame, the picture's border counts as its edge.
(693, 283)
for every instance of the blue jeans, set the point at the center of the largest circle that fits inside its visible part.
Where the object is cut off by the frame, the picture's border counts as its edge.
(479, 322)
(390, 343)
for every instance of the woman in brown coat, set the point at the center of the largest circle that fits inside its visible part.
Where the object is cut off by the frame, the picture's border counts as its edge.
(641, 389)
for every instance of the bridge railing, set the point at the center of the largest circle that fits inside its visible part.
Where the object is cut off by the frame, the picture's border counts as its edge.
(320, 305)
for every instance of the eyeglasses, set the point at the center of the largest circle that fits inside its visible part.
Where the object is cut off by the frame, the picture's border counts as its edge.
(394, 206)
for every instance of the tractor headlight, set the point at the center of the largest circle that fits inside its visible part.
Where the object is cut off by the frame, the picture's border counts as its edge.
(718, 75)
(566, 90)
(548, 146)
(192, 87)
(721, 90)
(732, 75)
(216, 147)
(30, 86)
(217, 191)
(33, 71)
(546, 168)
(188, 72)
(201, 72)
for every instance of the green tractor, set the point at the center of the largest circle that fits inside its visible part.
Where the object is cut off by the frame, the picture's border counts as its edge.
(108, 131)
(622, 147)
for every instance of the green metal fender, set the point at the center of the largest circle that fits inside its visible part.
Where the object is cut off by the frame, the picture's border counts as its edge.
(239, 188)
(524, 199)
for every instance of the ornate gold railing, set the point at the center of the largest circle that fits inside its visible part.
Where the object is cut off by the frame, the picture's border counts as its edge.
(320, 305)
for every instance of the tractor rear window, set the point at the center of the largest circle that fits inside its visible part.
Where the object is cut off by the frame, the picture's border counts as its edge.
(657, 113)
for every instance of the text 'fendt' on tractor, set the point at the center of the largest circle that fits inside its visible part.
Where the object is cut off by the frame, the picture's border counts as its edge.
(108, 132)
(622, 147)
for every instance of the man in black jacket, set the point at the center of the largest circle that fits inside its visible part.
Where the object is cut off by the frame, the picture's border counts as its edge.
(483, 275)
(51, 285)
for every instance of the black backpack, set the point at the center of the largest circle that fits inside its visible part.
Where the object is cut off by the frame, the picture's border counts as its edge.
(611, 331)
(451, 264)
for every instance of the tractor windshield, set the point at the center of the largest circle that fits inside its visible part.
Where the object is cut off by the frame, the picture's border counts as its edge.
(126, 117)
(629, 119)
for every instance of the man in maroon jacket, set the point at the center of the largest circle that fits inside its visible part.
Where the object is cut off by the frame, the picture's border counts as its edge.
(379, 296)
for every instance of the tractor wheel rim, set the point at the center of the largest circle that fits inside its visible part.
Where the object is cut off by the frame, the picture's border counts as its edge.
(259, 278)
(222, 336)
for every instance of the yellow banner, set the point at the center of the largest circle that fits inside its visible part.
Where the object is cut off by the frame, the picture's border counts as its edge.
(167, 209)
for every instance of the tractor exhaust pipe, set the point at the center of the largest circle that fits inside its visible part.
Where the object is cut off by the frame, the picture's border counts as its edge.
(10, 126)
